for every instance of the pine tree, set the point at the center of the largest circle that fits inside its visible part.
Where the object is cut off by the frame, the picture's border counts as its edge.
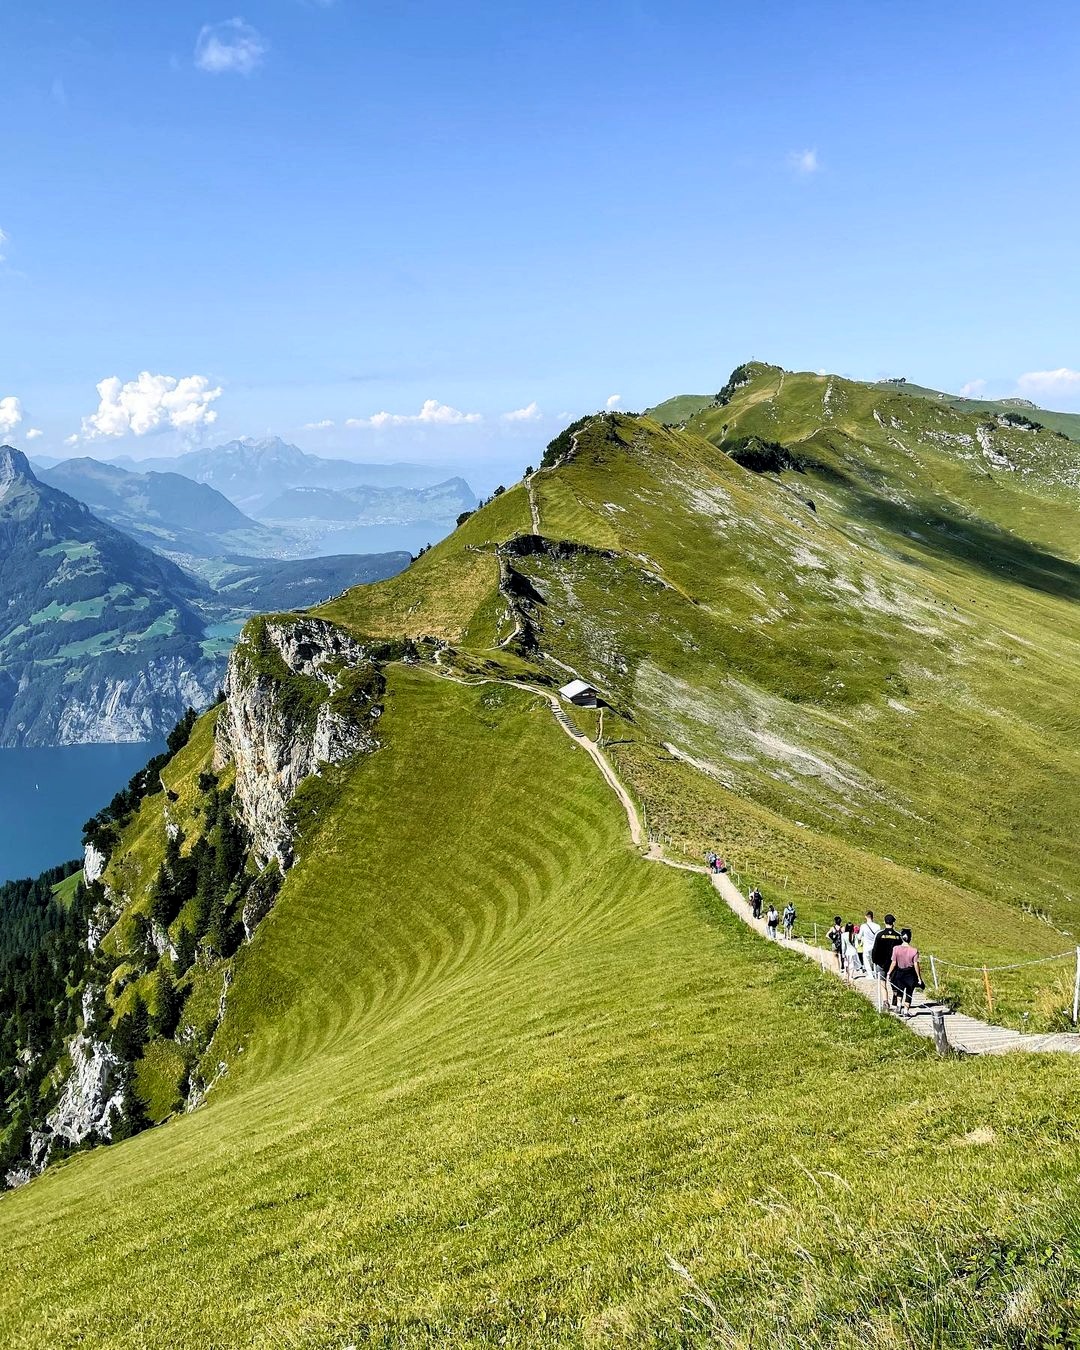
(167, 1003)
(185, 950)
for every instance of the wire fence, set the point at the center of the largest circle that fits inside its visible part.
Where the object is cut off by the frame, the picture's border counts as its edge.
(936, 962)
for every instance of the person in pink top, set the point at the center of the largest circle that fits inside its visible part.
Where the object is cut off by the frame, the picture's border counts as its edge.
(904, 973)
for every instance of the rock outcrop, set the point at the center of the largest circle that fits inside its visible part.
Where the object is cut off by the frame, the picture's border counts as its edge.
(93, 864)
(94, 1087)
(299, 693)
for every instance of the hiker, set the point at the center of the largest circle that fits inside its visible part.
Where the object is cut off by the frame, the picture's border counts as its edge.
(851, 963)
(771, 921)
(789, 920)
(721, 865)
(884, 944)
(905, 975)
(755, 903)
(868, 931)
(836, 937)
(710, 860)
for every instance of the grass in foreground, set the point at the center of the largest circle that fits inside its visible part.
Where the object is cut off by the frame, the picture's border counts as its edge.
(492, 1073)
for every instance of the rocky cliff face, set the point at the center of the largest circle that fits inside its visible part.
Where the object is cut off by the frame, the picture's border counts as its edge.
(136, 707)
(90, 1096)
(93, 864)
(299, 693)
(92, 1090)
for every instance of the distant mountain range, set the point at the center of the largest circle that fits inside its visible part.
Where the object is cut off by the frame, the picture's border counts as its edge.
(102, 638)
(168, 512)
(251, 473)
(200, 505)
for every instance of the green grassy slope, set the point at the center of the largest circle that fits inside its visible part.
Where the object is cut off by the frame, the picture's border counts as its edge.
(904, 693)
(485, 1094)
(490, 1077)
(1067, 423)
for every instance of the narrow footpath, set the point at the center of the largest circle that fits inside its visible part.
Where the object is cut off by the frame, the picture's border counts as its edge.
(968, 1035)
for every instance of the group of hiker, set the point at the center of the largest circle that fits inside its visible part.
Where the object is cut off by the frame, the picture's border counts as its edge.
(773, 918)
(868, 950)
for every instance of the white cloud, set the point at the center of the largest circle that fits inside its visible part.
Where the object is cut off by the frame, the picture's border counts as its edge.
(71, 440)
(972, 389)
(3, 240)
(151, 403)
(1050, 382)
(319, 426)
(432, 413)
(11, 414)
(804, 162)
(613, 401)
(232, 46)
(530, 413)
(33, 433)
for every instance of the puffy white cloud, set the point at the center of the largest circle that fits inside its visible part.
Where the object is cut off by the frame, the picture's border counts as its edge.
(319, 426)
(804, 162)
(233, 46)
(1050, 382)
(432, 413)
(11, 414)
(613, 400)
(152, 403)
(33, 433)
(530, 413)
(972, 389)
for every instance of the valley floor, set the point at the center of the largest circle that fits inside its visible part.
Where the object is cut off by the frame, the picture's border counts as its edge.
(544, 1093)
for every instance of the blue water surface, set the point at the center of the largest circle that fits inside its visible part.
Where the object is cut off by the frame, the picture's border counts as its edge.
(47, 793)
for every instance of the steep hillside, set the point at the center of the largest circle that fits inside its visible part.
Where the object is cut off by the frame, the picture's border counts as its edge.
(101, 639)
(473, 1070)
(165, 511)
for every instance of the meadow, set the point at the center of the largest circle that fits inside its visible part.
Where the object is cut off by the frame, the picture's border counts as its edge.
(545, 1093)
(488, 1076)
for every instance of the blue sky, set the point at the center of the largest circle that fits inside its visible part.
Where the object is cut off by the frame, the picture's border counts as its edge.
(331, 211)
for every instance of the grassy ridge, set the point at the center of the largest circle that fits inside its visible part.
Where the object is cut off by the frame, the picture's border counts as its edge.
(849, 668)
(491, 1078)
(484, 1095)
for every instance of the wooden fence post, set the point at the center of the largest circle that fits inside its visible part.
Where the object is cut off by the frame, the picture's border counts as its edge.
(933, 970)
(989, 995)
(941, 1036)
(1076, 988)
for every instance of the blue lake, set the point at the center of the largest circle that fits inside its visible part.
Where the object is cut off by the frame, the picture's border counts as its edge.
(46, 794)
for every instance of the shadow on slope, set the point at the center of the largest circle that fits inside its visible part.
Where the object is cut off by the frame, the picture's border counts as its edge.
(950, 535)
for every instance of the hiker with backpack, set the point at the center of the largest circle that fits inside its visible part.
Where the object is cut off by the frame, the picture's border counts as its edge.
(836, 937)
(772, 918)
(884, 945)
(789, 920)
(755, 903)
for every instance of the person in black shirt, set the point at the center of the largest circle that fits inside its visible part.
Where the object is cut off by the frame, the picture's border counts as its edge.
(884, 944)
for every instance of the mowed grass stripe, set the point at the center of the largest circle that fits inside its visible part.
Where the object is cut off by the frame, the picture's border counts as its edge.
(504, 1153)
